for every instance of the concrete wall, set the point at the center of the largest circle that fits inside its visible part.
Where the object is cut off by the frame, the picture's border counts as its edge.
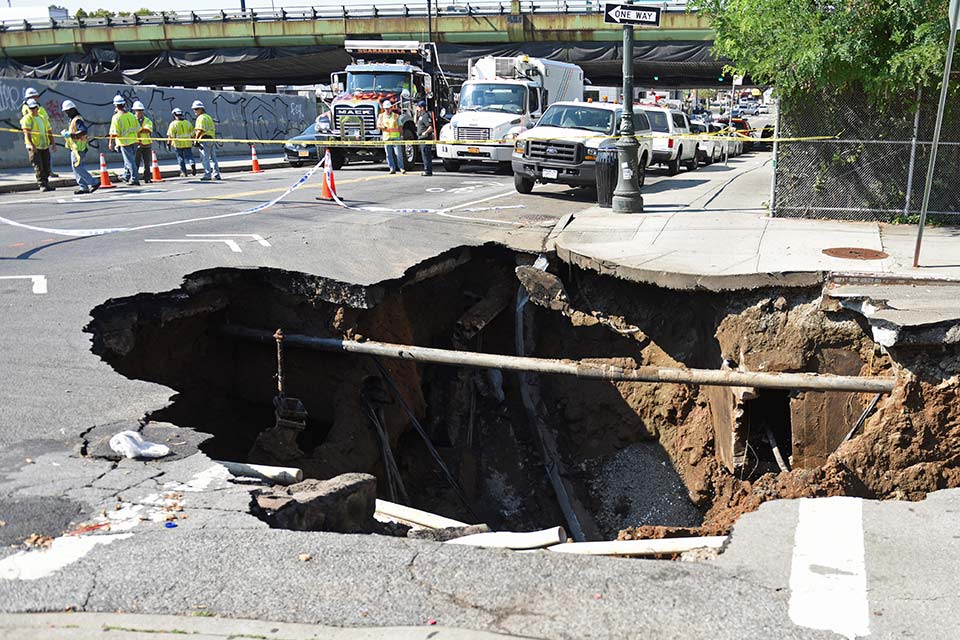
(259, 116)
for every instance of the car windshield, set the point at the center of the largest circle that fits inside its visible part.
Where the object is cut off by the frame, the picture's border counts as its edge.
(578, 117)
(658, 121)
(385, 82)
(310, 130)
(493, 97)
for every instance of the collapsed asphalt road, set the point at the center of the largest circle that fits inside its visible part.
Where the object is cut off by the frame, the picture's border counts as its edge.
(58, 396)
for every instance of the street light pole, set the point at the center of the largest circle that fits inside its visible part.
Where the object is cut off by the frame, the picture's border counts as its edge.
(627, 197)
(429, 21)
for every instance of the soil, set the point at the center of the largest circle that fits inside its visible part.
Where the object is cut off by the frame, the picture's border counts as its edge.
(641, 457)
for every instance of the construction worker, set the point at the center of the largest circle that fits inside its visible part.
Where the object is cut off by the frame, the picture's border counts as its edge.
(204, 132)
(144, 140)
(425, 132)
(38, 140)
(123, 136)
(24, 110)
(180, 137)
(389, 124)
(75, 136)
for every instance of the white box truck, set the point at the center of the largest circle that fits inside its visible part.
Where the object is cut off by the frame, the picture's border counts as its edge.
(502, 97)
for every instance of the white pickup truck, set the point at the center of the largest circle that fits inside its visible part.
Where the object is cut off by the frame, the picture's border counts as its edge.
(562, 147)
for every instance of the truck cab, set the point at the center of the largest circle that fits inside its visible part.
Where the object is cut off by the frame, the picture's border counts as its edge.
(562, 147)
(502, 97)
(399, 71)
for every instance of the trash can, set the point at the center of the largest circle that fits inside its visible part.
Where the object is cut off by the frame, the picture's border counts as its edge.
(606, 172)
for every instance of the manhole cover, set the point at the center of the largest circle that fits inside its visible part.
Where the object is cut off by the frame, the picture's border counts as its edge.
(855, 253)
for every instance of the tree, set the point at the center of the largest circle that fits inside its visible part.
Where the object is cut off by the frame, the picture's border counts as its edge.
(96, 13)
(885, 47)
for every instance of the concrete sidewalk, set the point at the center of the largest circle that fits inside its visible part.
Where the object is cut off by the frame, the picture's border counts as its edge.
(117, 626)
(723, 239)
(15, 180)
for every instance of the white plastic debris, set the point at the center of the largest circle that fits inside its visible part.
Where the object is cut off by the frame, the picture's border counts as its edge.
(132, 445)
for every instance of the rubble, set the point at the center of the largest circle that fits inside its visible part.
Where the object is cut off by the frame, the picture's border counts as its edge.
(344, 504)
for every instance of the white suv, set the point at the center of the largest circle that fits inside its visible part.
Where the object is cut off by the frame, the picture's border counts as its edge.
(669, 150)
(562, 147)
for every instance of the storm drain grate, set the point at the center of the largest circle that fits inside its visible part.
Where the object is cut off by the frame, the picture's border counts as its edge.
(855, 253)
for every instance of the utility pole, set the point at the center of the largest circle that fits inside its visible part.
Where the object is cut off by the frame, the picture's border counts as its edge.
(429, 21)
(627, 197)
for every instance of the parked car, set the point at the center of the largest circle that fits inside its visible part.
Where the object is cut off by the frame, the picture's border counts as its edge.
(724, 145)
(669, 149)
(709, 148)
(297, 150)
(562, 147)
(743, 129)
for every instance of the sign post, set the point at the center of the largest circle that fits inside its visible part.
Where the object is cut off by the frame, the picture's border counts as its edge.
(954, 25)
(627, 197)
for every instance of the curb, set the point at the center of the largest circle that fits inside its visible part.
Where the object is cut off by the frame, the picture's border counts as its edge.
(17, 187)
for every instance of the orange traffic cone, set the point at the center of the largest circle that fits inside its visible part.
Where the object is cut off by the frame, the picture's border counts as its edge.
(104, 176)
(155, 169)
(253, 160)
(325, 187)
(328, 164)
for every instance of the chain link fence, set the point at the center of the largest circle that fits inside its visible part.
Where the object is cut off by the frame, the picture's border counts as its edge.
(876, 169)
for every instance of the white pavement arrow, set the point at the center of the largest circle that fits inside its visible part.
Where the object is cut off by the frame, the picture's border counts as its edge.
(257, 237)
(39, 282)
(230, 243)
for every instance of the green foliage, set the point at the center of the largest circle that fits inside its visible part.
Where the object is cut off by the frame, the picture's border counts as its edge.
(96, 13)
(886, 47)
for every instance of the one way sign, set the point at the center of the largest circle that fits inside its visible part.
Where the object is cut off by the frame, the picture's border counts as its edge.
(632, 14)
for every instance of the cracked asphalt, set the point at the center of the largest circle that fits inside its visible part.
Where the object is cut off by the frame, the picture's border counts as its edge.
(59, 404)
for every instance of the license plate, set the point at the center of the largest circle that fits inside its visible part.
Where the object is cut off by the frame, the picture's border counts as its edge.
(473, 150)
(304, 154)
(550, 174)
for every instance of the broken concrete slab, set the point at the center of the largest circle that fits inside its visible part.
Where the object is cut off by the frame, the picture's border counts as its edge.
(344, 504)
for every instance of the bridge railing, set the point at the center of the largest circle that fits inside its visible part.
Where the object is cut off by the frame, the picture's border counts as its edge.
(441, 9)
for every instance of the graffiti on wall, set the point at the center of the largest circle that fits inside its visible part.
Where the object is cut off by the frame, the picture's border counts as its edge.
(238, 115)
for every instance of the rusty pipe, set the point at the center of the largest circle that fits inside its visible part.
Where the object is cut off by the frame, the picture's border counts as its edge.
(578, 368)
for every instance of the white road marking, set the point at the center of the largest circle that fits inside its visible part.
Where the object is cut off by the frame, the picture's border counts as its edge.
(255, 236)
(230, 243)
(120, 196)
(42, 563)
(474, 203)
(39, 282)
(828, 578)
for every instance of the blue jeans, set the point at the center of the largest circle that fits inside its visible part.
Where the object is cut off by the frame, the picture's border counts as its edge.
(129, 154)
(426, 154)
(185, 156)
(208, 154)
(84, 180)
(394, 157)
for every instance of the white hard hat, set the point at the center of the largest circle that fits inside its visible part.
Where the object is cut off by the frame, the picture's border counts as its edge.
(177, 111)
(31, 103)
(67, 104)
(387, 104)
(197, 105)
(118, 100)
(137, 106)
(30, 92)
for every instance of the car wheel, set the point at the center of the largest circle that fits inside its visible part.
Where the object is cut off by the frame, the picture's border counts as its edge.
(523, 185)
(451, 166)
(642, 170)
(339, 159)
(505, 168)
(409, 150)
(673, 166)
(694, 163)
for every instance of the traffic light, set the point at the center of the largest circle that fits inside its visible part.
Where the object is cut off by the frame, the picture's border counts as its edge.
(656, 78)
(720, 79)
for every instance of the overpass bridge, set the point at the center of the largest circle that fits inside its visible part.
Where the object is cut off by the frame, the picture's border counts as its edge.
(304, 45)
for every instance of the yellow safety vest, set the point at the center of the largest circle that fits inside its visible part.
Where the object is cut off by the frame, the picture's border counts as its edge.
(205, 125)
(180, 134)
(38, 128)
(25, 110)
(145, 131)
(72, 142)
(124, 127)
(389, 125)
